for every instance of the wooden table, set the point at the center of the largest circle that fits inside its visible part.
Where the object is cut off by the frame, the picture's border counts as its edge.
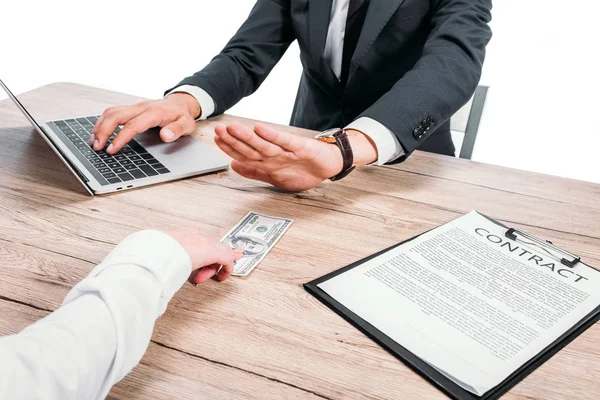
(264, 337)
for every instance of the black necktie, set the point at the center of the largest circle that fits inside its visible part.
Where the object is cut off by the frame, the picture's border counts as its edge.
(357, 11)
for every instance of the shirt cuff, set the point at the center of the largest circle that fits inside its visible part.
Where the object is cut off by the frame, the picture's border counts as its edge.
(388, 146)
(151, 252)
(207, 104)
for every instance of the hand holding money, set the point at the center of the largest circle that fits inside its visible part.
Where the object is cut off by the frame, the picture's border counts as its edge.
(239, 252)
(256, 234)
(209, 257)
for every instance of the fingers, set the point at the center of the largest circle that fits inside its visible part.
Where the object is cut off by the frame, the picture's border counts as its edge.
(108, 122)
(200, 276)
(221, 269)
(227, 261)
(251, 172)
(227, 269)
(230, 151)
(225, 134)
(173, 117)
(253, 140)
(139, 124)
(225, 255)
(284, 140)
(225, 272)
(173, 131)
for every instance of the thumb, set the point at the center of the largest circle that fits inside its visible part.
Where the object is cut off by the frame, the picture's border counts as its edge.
(173, 131)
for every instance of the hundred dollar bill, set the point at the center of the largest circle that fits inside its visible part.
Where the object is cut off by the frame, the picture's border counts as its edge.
(256, 234)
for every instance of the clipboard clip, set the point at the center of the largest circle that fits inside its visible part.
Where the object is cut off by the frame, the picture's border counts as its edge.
(566, 258)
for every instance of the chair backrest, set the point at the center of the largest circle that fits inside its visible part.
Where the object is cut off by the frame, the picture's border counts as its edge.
(464, 125)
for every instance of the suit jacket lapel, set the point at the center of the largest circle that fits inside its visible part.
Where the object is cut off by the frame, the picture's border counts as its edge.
(378, 14)
(318, 24)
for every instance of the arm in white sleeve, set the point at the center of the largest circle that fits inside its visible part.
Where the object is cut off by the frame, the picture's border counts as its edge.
(388, 146)
(207, 104)
(102, 329)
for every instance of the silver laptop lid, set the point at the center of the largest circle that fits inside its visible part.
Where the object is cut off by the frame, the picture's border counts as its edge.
(80, 176)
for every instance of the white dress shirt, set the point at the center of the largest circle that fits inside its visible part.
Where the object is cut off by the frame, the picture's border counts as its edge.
(103, 327)
(388, 146)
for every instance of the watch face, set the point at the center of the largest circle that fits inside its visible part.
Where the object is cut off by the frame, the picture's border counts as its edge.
(329, 133)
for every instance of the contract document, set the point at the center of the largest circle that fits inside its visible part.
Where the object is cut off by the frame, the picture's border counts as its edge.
(469, 301)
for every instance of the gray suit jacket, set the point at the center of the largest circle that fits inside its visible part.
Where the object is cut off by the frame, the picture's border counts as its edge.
(416, 63)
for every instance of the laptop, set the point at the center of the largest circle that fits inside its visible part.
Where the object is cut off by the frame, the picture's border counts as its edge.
(146, 160)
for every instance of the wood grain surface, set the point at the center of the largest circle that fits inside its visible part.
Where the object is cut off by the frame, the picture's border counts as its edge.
(264, 337)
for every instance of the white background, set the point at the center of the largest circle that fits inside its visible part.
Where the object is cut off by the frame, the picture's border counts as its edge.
(542, 67)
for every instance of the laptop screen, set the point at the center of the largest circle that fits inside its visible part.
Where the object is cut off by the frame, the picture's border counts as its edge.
(37, 122)
(19, 104)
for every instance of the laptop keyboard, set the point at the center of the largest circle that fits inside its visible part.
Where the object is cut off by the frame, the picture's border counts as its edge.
(132, 162)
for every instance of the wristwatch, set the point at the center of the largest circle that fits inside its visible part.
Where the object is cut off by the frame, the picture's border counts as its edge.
(339, 137)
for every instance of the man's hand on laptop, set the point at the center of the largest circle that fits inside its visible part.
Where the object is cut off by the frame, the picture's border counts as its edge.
(175, 114)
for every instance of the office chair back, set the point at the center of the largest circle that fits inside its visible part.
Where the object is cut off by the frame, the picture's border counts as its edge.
(464, 125)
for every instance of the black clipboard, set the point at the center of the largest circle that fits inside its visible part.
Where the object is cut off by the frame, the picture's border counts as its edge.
(419, 366)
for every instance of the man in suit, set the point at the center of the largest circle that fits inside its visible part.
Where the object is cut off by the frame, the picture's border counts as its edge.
(383, 77)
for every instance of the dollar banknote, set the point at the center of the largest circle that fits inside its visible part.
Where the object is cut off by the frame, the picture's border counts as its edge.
(256, 234)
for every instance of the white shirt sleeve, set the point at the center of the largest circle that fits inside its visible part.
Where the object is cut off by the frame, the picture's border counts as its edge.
(207, 104)
(388, 145)
(102, 329)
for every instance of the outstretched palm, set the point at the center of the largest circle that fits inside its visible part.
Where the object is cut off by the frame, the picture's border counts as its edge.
(285, 160)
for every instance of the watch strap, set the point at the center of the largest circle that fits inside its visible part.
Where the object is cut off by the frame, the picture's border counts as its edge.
(343, 143)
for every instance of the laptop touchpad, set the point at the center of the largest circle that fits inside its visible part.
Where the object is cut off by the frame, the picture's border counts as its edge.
(183, 154)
